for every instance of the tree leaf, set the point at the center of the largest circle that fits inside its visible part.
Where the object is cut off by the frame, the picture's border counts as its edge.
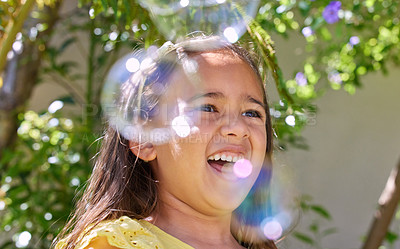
(328, 231)
(314, 228)
(304, 238)
(66, 44)
(67, 99)
(391, 237)
(114, 6)
(321, 211)
(104, 4)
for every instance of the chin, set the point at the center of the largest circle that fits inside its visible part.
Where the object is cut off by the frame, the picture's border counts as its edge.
(228, 202)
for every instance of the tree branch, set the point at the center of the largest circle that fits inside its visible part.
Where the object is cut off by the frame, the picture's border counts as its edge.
(388, 202)
(68, 86)
(264, 43)
(15, 26)
(20, 75)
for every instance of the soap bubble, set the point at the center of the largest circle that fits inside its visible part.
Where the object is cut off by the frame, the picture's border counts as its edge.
(225, 18)
(270, 210)
(145, 93)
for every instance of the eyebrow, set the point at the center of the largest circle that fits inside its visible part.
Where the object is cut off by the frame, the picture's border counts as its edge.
(219, 95)
(213, 95)
(255, 101)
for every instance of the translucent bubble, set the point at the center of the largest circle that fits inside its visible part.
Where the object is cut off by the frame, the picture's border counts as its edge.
(145, 95)
(270, 210)
(242, 168)
(178, 18)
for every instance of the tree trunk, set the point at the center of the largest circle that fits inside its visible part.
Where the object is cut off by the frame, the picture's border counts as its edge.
(21, 74)
(388, 202)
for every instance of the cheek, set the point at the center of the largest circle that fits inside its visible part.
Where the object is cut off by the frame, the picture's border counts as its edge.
(178, 152)
(259, 135)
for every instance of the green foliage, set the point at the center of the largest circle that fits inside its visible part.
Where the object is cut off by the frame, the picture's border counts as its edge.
(316, 219)
(48, 167)
(43, 175)
(365, 39)
(392, 236)
(51, 160)
(128, 14)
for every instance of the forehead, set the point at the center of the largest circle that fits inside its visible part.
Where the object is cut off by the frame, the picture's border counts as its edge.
(228, 67)
(218, 58)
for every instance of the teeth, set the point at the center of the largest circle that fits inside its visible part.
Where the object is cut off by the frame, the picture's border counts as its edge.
(224, 157)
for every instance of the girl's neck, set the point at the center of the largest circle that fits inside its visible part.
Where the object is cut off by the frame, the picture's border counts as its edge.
(193, 227)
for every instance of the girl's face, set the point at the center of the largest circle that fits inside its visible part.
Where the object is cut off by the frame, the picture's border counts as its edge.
(231, 123)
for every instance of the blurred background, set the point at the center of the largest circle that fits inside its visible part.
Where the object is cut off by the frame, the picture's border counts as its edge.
(334, 102)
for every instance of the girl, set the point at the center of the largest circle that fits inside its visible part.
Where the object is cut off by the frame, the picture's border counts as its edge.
(183, 193)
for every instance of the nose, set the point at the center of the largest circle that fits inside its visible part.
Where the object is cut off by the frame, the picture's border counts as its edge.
(234, 126)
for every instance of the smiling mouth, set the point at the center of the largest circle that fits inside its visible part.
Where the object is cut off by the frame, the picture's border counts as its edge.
(223, 163)
(218, 165)
(225, 158)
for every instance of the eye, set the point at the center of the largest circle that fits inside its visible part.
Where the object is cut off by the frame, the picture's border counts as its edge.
(252, 114)
(207, 108)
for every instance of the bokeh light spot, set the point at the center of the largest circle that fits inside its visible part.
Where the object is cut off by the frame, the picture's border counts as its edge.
(146, 63)
(75, 181)
(2, 205)
(181, 126)
(23, 206)
(307, 31)
(176, 19)
(113, 36)
(23, 239)
(17, 46)
(184, 3)
(290, 120)
(55, 106)
(48, 216)
(272, 230)
(8, 179)
(231, 35)
(132, 65)
(242, 168)
(53, 122)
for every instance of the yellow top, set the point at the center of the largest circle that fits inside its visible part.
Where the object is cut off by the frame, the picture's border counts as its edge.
(127, 233)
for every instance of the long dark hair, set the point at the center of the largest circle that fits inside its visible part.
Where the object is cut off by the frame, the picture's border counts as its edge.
(124, 185)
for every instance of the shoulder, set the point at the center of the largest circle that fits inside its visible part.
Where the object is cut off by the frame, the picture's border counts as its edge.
(99, 243)
(122, 233)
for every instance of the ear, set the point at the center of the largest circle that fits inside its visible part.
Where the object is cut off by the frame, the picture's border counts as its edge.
(144, 151)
